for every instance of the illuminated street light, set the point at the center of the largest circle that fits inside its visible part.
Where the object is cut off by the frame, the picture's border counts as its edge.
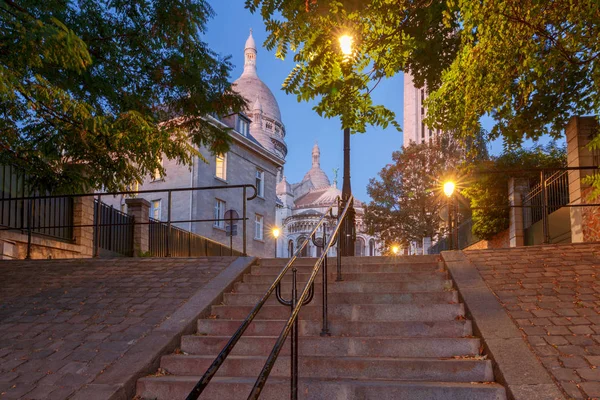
(395, 250)
(449, 188)
(275, 232)
(346, 44)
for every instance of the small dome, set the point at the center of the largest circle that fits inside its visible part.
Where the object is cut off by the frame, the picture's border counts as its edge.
(250, 44)
(318, 177)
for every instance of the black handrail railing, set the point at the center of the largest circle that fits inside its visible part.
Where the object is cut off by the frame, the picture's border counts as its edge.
(220, 359)
(97, 224)
(292, 321)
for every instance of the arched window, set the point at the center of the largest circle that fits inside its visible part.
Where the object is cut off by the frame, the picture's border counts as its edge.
(359, 247)
(372, 247)
(305, 250)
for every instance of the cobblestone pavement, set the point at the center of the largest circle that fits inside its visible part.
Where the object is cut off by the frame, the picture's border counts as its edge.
(63, 322)
(553, 295)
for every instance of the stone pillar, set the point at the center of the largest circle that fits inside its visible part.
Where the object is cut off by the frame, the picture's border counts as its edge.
(83, 214)
(140, 210)
(579, 132)
(517, 188)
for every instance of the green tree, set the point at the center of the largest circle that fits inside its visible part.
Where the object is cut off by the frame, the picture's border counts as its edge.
(92, 93)
(528, 64)
(488, 192)
(407, 197)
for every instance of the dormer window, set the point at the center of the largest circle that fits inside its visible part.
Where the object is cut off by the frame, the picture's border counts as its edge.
(269, 126)
(243, 126)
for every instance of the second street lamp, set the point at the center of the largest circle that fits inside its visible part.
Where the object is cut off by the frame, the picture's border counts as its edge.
(347, 232)
(275, 233)
(449, 188)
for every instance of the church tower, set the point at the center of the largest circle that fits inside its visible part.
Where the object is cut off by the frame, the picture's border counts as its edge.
(266, 126)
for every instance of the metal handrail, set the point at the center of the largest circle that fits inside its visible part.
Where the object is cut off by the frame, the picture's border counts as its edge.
(220, 359)
(98, 195)
(306, 293)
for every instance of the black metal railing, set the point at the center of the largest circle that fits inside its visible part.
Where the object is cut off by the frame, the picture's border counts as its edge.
(547, 196)
(183, 243)
(464, 236)
(115, 234)
(295, 303)
(67, 224)
(51, 217)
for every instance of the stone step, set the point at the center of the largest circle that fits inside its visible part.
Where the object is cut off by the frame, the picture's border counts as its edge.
(337, 346)
(411, 369)
(354, 298)
(400, 268)
(224, 327)
(355, 287)
(232, 388)
(429, 259)
(353, 277)
(350, 312)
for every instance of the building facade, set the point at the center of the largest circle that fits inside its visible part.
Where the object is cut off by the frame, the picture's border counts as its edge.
(303, 204)
(414, 129)
(256, 155)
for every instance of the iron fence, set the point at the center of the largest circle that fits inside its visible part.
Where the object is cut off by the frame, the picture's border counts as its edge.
(115, 230)
(48, 216)
(183, 243)
(547, 196)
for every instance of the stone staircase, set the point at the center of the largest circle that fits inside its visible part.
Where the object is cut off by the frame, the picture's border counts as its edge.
(397, 332)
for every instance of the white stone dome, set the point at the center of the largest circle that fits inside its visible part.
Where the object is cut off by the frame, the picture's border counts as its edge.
(254, 90)
(283, 187)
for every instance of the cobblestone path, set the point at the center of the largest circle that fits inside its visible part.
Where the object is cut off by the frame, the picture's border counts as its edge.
(553, 295)
(63, 322)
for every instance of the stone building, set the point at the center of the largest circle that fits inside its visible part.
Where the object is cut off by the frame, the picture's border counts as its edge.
(302, 206)
(414, 128)
(256, 155)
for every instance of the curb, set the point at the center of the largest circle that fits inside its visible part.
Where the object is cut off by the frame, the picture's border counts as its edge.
(515, 365)
(118, 382)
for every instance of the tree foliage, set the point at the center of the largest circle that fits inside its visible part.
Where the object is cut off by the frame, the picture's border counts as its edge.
(490, 190)
(407, 197)
(92, 93)
(528, 64)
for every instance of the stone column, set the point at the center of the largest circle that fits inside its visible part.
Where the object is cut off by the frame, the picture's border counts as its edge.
(140, 210)
(83, 214)
(517, 188)
(579, 132)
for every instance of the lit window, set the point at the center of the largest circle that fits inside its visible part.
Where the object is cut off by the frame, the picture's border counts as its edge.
(260, 183)
(219, 213)
(243, 126)
(221, 166)
(258, 227)
(155, 209)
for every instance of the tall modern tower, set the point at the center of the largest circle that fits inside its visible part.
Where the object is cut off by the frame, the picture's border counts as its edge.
(415, 129)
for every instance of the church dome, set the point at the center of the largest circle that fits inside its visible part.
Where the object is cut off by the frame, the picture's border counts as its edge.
(252, 88)
(316, 175)
(266, 126)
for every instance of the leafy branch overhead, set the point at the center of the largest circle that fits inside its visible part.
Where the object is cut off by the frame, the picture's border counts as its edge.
(530, 65)
(93, 93)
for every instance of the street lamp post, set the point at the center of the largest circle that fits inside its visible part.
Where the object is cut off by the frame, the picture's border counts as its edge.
(449, 188)
(347, 231)
(275, 233)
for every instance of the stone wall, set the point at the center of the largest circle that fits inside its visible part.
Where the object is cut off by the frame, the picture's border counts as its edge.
(590, 217)
(500, 241)
(13, 244)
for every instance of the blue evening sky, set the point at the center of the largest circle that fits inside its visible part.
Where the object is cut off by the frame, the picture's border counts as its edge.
(370, 152)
